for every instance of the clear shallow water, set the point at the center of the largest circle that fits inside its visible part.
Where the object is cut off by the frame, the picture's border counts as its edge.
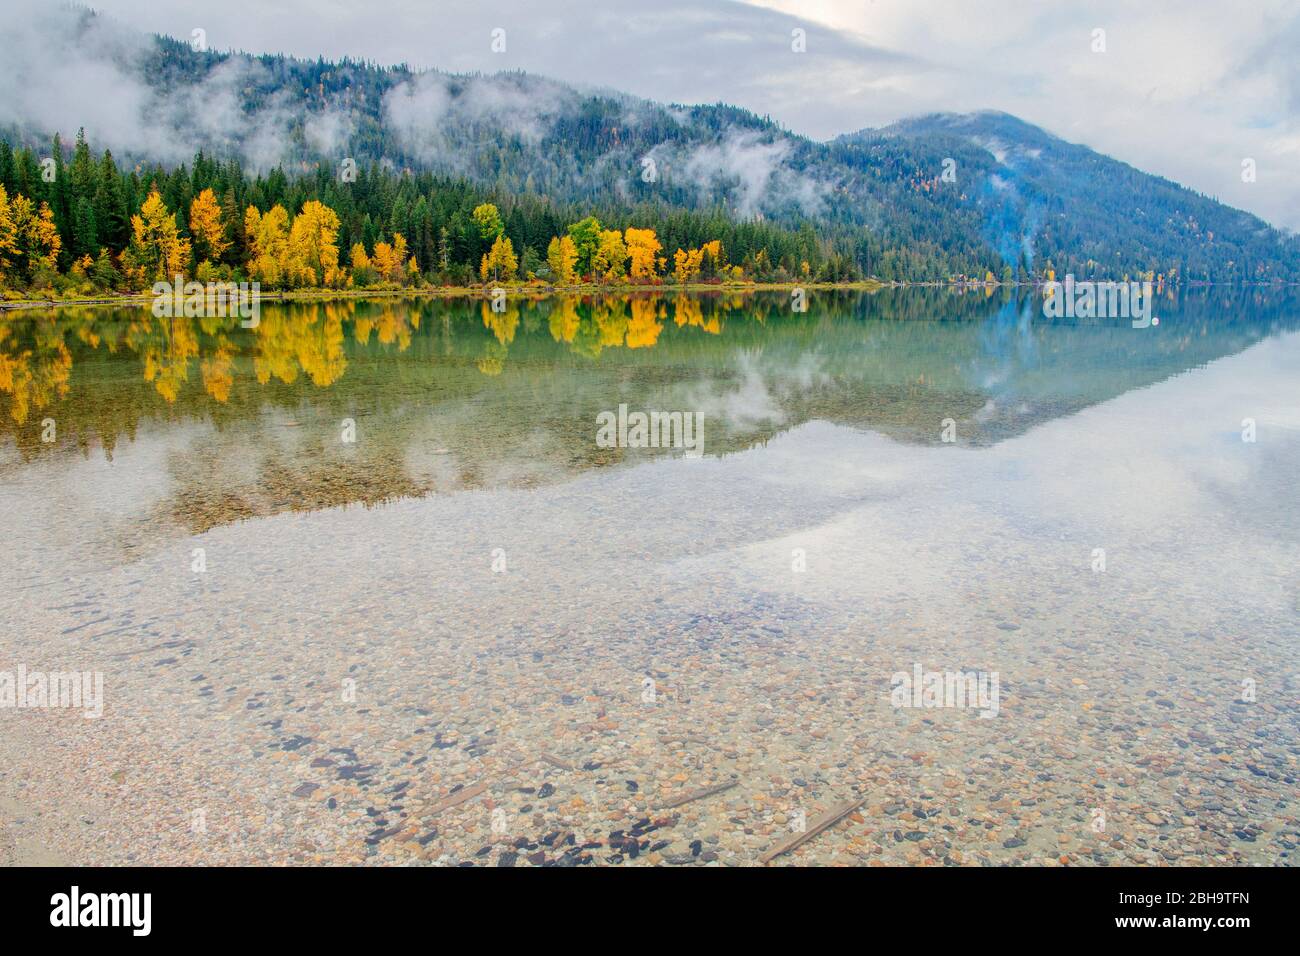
(372, 561)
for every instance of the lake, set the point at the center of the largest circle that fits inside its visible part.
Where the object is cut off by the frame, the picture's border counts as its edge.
(366, 584)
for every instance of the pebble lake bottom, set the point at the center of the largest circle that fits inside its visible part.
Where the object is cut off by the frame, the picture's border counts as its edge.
(474, 636)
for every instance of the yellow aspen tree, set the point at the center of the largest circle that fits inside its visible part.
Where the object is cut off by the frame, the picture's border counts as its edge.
(712, 261)
(206, 227)
(156, 252)
(384, 261)
(562, 257)
(399, 257)
(643, 249)
(35, 234)
(488, 219)
(687, 264)
(359, 258)
(313, 245)
(268, 243)
(500, 263)
(610, 260)
(8, 235)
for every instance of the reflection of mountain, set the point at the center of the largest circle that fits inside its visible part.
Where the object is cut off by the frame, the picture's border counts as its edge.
(450, 395)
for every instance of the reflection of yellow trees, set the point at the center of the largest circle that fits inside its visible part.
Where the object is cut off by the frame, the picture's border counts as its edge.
(503, 324)
(218, 370)
(298, 340)
(291, 340)
(86, 333)
(34, 377)
(644, 327)
(308, 340)
(607, 323)
(688, 310)
(494, 358)
(166, 346)
(564, 319)
(391, 325)
(611, 320)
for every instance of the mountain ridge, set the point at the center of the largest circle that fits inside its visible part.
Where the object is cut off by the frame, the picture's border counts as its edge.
(926, 197)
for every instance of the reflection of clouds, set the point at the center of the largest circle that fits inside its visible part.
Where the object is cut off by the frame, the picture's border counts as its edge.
(748, 404)
(535, 459)
(1143, 459)
(86, 506)
(762, 391)
(1191, 522)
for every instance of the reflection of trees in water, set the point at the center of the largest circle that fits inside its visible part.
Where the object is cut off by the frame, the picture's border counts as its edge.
(472, 396)
(40, 351)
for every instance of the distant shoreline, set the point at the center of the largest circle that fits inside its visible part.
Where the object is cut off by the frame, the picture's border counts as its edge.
(461, 292)
(547, 291)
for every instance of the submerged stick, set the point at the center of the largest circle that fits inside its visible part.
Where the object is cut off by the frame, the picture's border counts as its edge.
(555, 761)
(825, 821)
(698, 795)
(459, 797)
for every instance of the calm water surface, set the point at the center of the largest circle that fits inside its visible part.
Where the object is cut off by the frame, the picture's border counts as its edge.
(381, 624)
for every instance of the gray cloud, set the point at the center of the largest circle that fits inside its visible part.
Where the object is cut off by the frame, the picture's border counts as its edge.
(59, 75)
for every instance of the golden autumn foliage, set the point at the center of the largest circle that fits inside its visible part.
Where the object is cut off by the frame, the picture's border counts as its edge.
(33, 377)
(500, 263)
(313, 246)
(488, 219)
(562, 257)
(29, 240)
(206, 228)
(689, 311)
(268, 245)
(686, 265)
(287, 344)
(503, 324)
(643, 249)
(8, 234)
(610, 259)
(156, 253)
(166, 350)
(217, 370)
(389, 259)
(302, 254)
(611, 322)
(564, 319)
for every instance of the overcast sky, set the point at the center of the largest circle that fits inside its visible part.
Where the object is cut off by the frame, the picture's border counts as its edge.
(1185, 88)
